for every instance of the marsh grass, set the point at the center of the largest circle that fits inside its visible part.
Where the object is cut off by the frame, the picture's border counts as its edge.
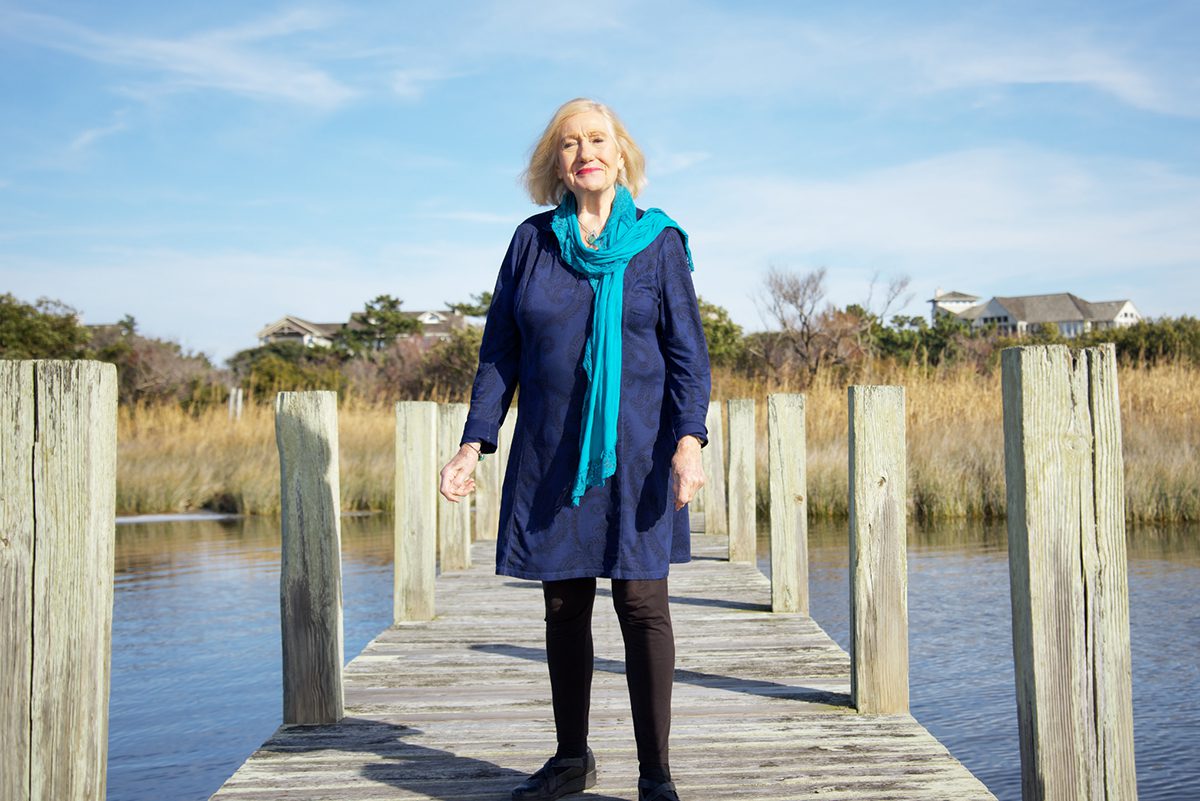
(172, 461)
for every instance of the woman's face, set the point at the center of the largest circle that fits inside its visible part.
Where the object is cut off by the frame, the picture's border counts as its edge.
(589, 160)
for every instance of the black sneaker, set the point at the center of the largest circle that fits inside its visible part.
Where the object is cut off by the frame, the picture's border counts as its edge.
(656, 791)
(558, 777)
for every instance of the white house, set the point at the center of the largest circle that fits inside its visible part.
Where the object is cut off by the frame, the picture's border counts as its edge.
(290, 328)
(435, 325)
(1017, 315)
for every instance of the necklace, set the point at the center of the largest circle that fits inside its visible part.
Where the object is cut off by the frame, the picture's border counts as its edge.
(590, 235)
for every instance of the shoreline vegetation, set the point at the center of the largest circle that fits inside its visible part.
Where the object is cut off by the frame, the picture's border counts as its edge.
(180, 452)
(174, 460)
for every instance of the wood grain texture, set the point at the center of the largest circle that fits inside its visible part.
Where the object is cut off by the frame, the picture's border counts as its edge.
(712, 495)
(454, 519)
(488, 478)
(310, 576)
(74, 496)
(1067, 571)
(878, 551)
(415, 545)
(789, 503)
(743, 520)
(17, 433)
(459, 708)
(1108, 583)
(504, 447)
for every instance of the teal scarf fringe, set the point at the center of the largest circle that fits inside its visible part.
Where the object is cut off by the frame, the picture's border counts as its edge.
(624, 237)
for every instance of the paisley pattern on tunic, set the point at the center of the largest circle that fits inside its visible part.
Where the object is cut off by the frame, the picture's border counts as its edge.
(534, 339)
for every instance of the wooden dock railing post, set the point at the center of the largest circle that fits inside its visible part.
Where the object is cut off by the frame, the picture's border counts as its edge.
(504, 446)
(878, 569)
(454, 519)
(310, 570)
(712, 494)
(58, 448)
(743, 522)
(1067, 565)
(789, 503)
(415, 548)
(487, 495)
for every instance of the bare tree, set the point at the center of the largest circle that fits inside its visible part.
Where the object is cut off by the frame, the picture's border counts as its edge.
(896, 287)
(793, 302)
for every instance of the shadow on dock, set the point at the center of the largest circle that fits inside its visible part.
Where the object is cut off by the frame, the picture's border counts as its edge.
(770, 689)
(431, 772)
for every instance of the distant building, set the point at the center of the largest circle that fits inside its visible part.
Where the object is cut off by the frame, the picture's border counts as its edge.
(1018, 315)
(435, 325)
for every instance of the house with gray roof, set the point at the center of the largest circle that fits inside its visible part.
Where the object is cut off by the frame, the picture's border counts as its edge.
(435, 325)
(1018, 315)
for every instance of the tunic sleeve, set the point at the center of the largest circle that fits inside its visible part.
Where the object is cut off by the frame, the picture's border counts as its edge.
(499, 356)
(683, 344)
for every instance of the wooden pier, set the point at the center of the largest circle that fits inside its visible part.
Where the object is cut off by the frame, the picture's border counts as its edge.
(459, 707)
(452, 701)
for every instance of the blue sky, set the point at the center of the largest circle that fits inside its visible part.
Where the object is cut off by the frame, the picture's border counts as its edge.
(208, 167)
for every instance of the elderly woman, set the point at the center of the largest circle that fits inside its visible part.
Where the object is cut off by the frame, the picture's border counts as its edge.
(595, 318)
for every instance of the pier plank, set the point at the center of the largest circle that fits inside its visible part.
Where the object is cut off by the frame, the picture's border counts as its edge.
(458, 708)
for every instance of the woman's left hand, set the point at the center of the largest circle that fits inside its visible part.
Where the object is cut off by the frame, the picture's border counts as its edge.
(687, 472)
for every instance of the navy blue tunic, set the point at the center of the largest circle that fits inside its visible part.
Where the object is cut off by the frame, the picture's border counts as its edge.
(534, 338)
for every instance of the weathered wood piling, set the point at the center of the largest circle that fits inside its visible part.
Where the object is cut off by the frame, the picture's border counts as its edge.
(1067, 564)
(310, 570)
(878, 569)
(712, 494)
(789, 503)
(58, 446)
(415, 548)
(454, 519)
(743, 520)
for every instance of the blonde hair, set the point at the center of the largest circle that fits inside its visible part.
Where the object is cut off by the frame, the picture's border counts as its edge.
(541, 177)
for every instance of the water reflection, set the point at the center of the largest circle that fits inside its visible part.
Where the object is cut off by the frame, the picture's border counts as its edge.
(196, 647)
(196, 673)
(960, 645)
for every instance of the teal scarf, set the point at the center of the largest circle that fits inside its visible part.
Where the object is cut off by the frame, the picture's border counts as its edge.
(624, 237)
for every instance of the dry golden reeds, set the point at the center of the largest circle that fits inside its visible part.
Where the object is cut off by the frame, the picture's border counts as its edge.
(171, 461)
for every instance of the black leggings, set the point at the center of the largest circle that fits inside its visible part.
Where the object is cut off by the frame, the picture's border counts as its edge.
(649, 664)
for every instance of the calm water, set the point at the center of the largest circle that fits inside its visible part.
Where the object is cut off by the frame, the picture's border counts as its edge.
(196, 652)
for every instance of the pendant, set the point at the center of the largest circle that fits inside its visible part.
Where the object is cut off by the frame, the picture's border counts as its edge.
(591, 238)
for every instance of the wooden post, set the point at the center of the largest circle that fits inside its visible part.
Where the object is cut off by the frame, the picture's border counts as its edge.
(712, 494)
(878, 569)
(454, 519)
(504, 446)
(789, 503)
(235, 403)
(310, 574)
(487, 495)
(1067, 566)
(58, 446)
(742, 514)
(415, 562)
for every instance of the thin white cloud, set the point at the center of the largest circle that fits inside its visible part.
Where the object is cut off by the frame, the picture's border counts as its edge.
(86, 138)
(411, 84)
(955, 59)
(716, 52)
(229, 60)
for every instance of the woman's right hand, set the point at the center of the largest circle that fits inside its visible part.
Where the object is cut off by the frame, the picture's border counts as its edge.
(456, 482)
